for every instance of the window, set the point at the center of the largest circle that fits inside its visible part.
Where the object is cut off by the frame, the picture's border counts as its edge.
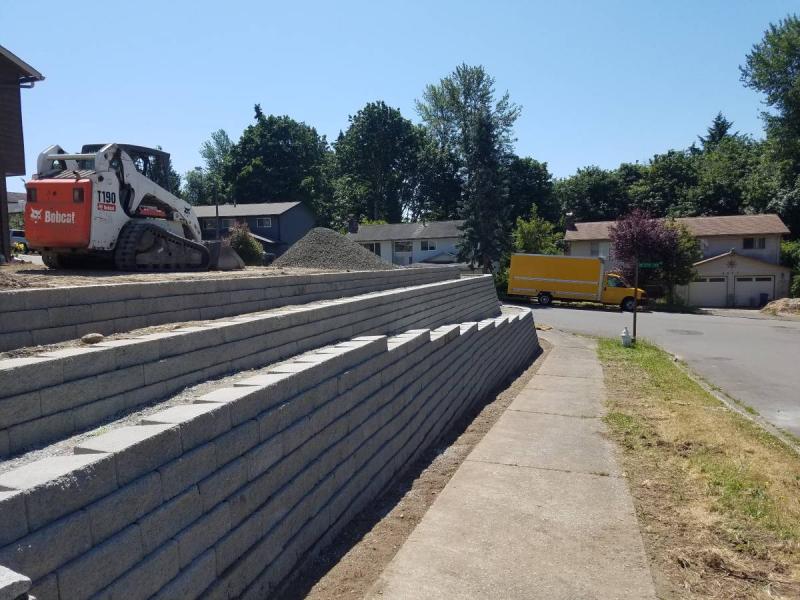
(749, 243)
(374, 247)
(428, 245)
(763, 278)
(403, 246)
(615, 282)
(264, 222)
(208, 224)
(716, 279)
(744, 279)
(227, 223)
(594, 248)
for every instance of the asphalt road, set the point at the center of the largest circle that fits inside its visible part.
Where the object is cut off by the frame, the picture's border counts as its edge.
(754, 360)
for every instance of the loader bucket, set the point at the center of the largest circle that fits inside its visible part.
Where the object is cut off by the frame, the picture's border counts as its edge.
(223, 257)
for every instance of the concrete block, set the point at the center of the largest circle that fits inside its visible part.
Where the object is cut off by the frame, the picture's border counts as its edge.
(13, 585)
(90, 415)
(11, 340)
(203, 534)
(236, 442)
(222, 483)
(19, 375)
(170, 518)
(124, 507)
(187, 469)
(147, 578)
(236, 543)
(13, 519)
(137, 449)
(58, 485)
(198, 423)
(43, 551)
(40, 431)
(53, 335)
(20, 408)
(193, 580)
(263, 456)
(24, 319)
(132, 351)
(45, 588)
(94, 570)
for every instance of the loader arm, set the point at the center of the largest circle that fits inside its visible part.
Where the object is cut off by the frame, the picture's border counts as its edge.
(141, 190)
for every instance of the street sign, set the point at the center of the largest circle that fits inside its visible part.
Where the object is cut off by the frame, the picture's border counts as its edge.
(649, 265)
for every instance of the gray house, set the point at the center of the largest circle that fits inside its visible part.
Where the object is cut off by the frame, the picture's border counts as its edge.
(407, 243)
(277, 225)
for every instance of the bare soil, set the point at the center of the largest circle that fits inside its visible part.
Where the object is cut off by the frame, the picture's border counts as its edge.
(350, 566)
(26, 275)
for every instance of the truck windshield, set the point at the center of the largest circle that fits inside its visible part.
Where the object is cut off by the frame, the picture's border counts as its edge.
(616, 282)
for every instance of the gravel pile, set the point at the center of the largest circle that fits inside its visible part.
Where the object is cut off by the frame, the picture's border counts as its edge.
(323, 248)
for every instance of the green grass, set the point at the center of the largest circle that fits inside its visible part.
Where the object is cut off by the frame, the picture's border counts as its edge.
(752, 477)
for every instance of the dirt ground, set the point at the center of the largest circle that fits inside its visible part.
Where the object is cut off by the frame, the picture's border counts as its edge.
(20, 276)
(348, 568)
(717, 498)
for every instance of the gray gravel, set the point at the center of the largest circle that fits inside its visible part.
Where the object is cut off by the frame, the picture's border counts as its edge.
(323, 248)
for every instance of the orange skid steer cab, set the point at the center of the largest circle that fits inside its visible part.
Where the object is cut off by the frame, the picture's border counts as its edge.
(108, 205)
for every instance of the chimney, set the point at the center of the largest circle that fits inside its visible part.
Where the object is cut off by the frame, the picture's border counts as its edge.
(569, 221)
(352, 225)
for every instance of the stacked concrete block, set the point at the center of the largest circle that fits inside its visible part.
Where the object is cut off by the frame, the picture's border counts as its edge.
(224, 497)
(55, 394)
(33, 317)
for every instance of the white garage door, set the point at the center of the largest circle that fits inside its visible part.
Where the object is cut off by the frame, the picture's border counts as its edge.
(708, 291)
(753, 291)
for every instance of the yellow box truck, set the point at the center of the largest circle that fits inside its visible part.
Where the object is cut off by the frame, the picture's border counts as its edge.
(575, 278)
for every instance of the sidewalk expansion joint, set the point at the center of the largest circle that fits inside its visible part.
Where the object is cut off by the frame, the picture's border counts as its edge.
(555, 414)
(535, 468)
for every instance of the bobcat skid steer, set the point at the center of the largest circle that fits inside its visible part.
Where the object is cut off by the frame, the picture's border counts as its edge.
(108, 205)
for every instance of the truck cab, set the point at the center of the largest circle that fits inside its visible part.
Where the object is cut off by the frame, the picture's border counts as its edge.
(616, 291)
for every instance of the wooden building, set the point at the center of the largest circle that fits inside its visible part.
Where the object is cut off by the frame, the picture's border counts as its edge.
(14, 75)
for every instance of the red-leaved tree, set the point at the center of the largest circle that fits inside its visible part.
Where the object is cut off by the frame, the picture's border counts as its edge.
(639, 237)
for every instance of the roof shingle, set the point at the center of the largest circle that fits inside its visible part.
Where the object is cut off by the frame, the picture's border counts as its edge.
(245, 210)
(407, 231)
(697, 226)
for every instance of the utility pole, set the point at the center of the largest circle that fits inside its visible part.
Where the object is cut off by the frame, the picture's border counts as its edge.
(635, 297)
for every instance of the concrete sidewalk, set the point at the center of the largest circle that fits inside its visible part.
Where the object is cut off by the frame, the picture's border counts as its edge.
(539, 509)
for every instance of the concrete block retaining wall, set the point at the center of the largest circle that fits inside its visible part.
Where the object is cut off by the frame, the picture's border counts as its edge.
(55, 394)
(46, 316)
(224, 497)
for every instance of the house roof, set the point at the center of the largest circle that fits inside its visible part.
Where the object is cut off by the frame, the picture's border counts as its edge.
(407, 231)
(267, 209)
(16, 202)
(730, 253)
(697, 226)
(26, 73)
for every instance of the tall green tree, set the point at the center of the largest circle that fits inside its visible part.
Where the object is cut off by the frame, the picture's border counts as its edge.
(719, 129)
(592, 194)
(278, 159)
(378, 157)
(667, 184)
(208, 184)
(773, 68)
(466, 119)
(530, 187)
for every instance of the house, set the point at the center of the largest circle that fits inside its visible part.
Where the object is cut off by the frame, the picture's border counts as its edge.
(16, 202)
(14, 75)
(406, 243)
(277, 225)
(741, 257)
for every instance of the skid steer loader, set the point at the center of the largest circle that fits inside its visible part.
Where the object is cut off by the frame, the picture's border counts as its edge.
(108, 205)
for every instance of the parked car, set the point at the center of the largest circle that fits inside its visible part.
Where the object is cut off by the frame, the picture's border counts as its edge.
(18, 237)
(584, 279)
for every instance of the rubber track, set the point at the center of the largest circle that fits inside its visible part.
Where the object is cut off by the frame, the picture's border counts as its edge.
(125, 253)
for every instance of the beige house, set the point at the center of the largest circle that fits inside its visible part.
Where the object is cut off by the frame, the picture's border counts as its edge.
(741, 258)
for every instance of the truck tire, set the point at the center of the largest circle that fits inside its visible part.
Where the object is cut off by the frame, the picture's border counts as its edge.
(545, 299)
(628, 304)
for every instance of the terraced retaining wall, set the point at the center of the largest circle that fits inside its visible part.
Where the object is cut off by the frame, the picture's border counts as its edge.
(46, 316)
(55, 394)
(224, 497)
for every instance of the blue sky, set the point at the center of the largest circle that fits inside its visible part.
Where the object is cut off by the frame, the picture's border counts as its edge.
(599, 82)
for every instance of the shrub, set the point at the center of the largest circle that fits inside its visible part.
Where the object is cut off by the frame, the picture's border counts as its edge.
(794, 291)
(245, 245)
